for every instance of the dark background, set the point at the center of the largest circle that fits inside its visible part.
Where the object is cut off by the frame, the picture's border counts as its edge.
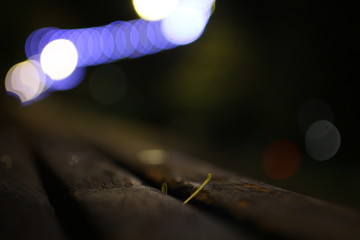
(236, 89)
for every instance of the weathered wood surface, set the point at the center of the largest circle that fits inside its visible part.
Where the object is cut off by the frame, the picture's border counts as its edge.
(117, 205)
(264, 209)
(25, 211)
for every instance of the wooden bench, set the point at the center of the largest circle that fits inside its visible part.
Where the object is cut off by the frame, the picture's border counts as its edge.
(84, 176)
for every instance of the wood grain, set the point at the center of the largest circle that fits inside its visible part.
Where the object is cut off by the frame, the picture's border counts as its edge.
(266, 208)
(262, 208)
(25, 210)
(119, 206)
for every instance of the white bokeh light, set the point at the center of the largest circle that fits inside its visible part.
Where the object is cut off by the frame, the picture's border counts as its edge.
(26, 80)
(59, 59)
(322, 140)
(184, 25)
(154, 10)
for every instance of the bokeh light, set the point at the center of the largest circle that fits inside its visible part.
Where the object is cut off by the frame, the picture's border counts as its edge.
(69, 82)
(184, 25)
(152, 156)
(312, 111)
(59, 59)
(154, 10)
(155, 36)
(140, 38)
(281, 159)
(37, 40)
(107, 84)
(63, 54)
(26, 80)
(322, 140)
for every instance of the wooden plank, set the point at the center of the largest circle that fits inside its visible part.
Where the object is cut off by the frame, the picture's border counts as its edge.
(25, 211)
(119, 206)
(266, 208)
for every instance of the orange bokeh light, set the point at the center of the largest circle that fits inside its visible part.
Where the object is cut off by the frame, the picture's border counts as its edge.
(281, 159)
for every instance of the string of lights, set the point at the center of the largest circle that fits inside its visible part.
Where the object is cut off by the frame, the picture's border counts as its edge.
(57, 58)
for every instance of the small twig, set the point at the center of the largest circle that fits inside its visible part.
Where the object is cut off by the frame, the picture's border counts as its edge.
(164, 188)
(199, 189)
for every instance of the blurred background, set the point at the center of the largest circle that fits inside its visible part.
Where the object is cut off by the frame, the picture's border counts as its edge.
(267, 91)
